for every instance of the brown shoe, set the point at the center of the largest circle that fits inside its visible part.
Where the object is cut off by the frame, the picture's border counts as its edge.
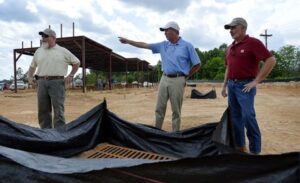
(242, 149)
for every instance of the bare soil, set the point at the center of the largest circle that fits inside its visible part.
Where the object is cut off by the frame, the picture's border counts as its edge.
(277, 109)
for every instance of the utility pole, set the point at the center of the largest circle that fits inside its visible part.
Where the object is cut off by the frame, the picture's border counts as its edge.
(266, 35)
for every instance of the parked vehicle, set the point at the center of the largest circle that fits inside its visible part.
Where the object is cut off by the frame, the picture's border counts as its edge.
(78, 83)
(20, 85)
(147, 84)
(3, 86)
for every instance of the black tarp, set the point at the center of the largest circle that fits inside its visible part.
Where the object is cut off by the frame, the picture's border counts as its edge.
(205, 153)
(206, 95)
(100, 125)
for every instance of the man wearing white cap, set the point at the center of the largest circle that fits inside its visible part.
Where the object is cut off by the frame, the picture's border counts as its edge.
(242, 75)
(177, 56)
(52, 62)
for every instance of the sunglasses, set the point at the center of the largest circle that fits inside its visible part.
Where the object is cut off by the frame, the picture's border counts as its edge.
(44, 36)
(233, 27)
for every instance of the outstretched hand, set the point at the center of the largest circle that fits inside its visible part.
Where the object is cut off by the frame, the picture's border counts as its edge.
(123, 40)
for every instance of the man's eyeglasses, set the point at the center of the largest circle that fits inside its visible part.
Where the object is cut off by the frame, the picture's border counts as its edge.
(44, 36)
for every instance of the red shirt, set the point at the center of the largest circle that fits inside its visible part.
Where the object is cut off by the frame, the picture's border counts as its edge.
(242, 59)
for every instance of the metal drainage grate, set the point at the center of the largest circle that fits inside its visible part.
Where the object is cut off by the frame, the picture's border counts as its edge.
(111, 151)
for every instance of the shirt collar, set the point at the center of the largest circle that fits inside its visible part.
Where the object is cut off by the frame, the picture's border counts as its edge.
(179, 41)
(244, 40)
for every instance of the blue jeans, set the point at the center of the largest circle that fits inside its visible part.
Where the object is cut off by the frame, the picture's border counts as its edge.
(242, 113)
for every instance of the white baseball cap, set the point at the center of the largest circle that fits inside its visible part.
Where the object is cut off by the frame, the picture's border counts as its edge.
(171, 24)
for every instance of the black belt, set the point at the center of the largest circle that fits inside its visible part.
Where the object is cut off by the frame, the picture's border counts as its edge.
(175, 75)
(241, 80)
(50, 77)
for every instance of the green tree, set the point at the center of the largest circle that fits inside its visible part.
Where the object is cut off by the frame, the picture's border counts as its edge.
(279, 70)
(214, 69)
(223, 47)
(205, 57)
(156, 74)
(91, 79)
(289, 60)
(20, 75)
(298, 62)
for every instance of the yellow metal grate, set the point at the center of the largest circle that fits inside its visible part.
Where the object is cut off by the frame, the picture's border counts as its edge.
(106, 150)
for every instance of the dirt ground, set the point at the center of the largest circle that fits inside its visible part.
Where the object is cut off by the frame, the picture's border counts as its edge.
(277, 109)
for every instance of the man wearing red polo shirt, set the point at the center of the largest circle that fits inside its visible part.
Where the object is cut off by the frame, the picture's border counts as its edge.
(241, 77)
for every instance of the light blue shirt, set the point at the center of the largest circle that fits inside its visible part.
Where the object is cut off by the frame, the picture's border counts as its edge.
(176, 58)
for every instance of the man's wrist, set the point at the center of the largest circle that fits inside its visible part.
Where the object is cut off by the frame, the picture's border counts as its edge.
(71, 75)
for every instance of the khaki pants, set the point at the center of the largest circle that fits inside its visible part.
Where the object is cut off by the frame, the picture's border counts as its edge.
(173, 89)
(51, 94)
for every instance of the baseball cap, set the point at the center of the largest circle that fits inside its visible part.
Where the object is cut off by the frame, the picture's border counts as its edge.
(171, 24)
(48, 32)
(236, 21)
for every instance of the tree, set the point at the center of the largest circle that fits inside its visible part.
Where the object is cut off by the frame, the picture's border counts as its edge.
(210, 55)
(290, 61)
(279, 68)
(20, 75)
(223, 47)
(157, 71)
(214, 69)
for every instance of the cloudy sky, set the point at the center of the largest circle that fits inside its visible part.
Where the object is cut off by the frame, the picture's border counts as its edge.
(201, 23)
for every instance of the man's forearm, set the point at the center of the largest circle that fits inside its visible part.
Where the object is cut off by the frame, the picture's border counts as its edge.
(134, 43)
(266, 69)
(225, 78)
(193, 70)
(30, 72)
(138, 44)
(74, 69)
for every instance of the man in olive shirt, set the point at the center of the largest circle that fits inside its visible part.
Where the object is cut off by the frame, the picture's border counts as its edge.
(51, 61)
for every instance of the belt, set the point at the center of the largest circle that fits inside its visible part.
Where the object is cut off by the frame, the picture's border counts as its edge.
(174, 75)
(241, 80)
(50, 77)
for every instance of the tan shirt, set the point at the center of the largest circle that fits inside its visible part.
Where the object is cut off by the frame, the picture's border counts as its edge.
(53, 61)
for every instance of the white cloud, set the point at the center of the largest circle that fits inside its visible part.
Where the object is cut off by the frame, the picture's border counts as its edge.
(32, 7)
(201, 23)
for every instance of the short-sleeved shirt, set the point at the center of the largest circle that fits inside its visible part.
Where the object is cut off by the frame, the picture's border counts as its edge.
(176, 58)
(242, 59)
(53, 61)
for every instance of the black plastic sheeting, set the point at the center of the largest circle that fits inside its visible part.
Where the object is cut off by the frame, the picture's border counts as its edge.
(205, 153)
(99, 125)
(207, 95)
(221, 168)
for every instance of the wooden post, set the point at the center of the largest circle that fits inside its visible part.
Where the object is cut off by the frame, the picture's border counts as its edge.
(83, 64)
